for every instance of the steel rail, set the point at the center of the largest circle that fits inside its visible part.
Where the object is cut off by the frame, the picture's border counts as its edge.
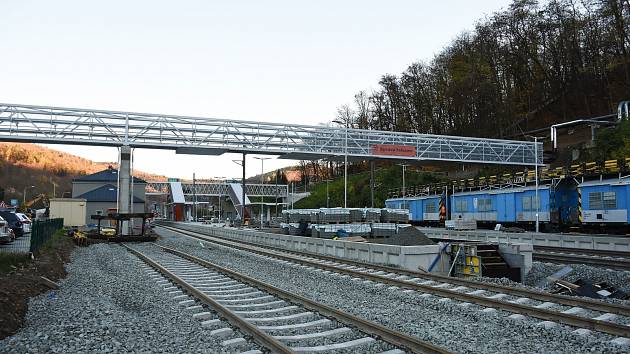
(620, 264)
(563, 318)
(559, 299)
(258, 335)
(389, 335)
(606, 253)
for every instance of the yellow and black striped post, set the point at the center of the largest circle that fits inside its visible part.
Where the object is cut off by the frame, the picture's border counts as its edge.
(579, 191)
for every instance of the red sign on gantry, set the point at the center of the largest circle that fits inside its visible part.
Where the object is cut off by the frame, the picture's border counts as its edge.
(394, 150)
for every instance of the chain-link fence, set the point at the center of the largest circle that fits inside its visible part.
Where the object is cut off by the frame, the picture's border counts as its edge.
(42, 231)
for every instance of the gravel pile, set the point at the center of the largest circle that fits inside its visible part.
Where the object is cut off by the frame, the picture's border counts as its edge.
(107, 304)
(462, 329)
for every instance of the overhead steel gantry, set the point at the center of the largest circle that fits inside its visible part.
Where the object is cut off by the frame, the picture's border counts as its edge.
(217, 189)
(211, 136)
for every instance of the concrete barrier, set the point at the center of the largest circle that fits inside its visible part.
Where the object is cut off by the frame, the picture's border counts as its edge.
(517, 255)
(533, 238)
(405, 257)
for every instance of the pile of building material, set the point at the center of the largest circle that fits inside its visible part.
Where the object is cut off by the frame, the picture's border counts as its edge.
(296, 215)
(345, 215)
(344, 222)
(458, 224)
(395, 215)
(340, 230)
(331, 216)
(372, 215)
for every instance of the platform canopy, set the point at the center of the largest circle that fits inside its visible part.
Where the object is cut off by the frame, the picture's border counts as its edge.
(213, 136)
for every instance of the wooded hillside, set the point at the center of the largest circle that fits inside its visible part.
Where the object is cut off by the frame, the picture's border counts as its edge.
(526, 67)
(24, 165)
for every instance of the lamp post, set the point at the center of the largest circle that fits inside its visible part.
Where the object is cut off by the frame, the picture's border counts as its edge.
(276, 192)
(24, 193)
(327, 197)
(536, 179)
(345, 162)
(194, 198)
(536, 171)
(262, 182)
(404, 191)
(345, 172)
(220, 196)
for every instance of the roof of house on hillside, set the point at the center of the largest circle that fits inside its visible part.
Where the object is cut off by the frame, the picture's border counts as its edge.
(108, 175)
(106, 193)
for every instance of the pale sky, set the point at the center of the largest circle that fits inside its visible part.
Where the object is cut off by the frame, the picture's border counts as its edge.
(274, 61)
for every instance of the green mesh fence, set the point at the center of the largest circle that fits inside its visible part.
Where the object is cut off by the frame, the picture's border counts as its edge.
(42, 231)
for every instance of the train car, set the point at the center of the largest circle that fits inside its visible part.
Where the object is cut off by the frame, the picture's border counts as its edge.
(526, 206)
(510, 206)
(480, 206)
(564, 205)
(396, 203)
(604, 204)
(513, 206)
(423, 210)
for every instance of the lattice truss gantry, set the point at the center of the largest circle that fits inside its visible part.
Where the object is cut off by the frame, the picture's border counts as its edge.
(42, 124)
(220, 189)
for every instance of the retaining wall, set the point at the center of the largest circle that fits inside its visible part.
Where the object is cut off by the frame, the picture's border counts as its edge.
(533, 238)
(405, 257)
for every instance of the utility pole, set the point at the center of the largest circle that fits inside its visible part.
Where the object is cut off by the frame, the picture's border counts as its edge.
(404, 191)
(24, 194)
(194, 198)
(276, 193)
(345, 171)
(243, 194)
(262, 182)
(345, 161)
(371, 183)
(536, 170)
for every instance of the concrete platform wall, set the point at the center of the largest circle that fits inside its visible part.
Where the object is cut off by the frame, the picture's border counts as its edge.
(533, 238)
(405, 257)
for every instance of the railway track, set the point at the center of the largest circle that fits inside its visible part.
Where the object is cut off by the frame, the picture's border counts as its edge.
(276, 320)
(597, 258)
(581, 251)
(582, 313)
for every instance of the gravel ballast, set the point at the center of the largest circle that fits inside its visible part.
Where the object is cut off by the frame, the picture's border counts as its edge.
(108, 304)
(447, 323)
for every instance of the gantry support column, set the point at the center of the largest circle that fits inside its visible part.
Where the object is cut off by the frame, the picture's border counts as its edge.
(243, 195)
(124, 184)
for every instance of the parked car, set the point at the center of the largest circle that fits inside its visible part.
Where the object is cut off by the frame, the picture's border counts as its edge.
(14, 222)
(26, 222)
(6, 234)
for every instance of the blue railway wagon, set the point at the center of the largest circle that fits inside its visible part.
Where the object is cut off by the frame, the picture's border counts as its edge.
(525, 206)
(425, 210)
(508, 206)
(396, 203)
(422, 210)
(479, 205)
(605, 202)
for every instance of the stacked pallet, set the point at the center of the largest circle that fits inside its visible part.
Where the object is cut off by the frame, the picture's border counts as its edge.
(395, 215)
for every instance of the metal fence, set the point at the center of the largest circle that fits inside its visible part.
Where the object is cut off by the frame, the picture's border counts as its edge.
(43, 231)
